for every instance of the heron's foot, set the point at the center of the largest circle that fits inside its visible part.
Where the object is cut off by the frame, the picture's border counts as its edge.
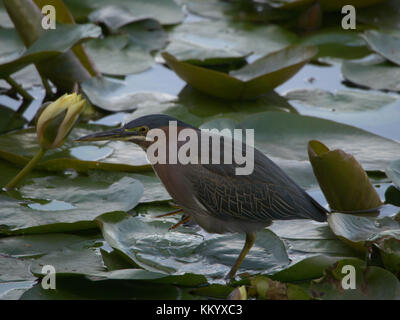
(170, 213)
(250, 238)
(182, 221)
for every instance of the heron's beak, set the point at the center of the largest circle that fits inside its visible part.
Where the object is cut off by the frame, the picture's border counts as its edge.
(115, 134)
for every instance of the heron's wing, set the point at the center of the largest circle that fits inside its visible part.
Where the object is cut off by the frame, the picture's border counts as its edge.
(266, 194)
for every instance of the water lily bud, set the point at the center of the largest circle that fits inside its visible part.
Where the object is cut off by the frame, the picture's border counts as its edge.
(57, 120)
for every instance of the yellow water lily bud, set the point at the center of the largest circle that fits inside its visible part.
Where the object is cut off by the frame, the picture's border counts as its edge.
(57, 120)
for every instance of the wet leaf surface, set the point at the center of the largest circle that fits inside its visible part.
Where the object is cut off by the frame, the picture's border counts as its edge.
(117, 55)
(64, 203)
(147, 242)
(375, 74)
(386, 44)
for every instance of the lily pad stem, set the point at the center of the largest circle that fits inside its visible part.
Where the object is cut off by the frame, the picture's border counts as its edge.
(18, 88)
(28, 168)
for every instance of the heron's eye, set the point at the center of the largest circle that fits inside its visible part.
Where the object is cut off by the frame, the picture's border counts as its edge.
(143, 129)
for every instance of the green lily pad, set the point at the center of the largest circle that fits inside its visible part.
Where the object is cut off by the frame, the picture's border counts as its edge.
(372, 283)
(341, 101)
(309, 268)
(337, 43)
(343, 181)
(117, 55)
(393, 172)
(202, 54)
(50, 44)
(165, 11)
(113, 95)
(62, 203)
(68, 254)
(384, 43)
(250, 81)
(147, 241)
(22, 257)
(360, 231)
(366, 73)
(385, 15)
(305, 239)
(234, 36)
(147, 33)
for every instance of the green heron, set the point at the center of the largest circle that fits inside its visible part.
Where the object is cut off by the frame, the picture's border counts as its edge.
(213, 196)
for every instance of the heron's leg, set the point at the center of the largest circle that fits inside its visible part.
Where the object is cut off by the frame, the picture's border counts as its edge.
(170, 213)
(183, 220)
(250, 238)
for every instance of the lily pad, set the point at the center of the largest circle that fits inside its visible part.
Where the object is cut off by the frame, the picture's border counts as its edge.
(114, 95)
(384, 43)
(147, 241)
(337, 43)
(117, 55)
(147, 33)
(372, 283)
(375, 74)
(393, 172)
(50, 44)
(250, 81)
(234, 36)
(305, 239)
(203, 54)
(341, 101)
(360, 231)
(57, 203)
(343, 181)
(68, 254)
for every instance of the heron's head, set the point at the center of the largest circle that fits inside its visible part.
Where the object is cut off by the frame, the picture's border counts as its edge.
(136, 130)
